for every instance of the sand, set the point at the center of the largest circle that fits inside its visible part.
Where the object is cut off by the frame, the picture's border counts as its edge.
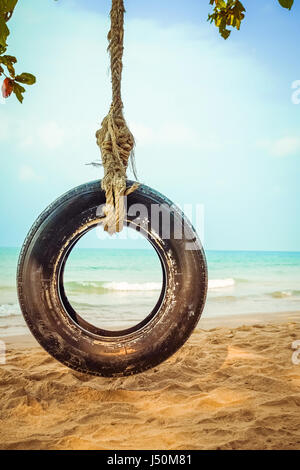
(232, 386)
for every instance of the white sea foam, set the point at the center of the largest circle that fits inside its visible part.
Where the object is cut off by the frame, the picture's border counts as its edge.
(9, 310)
(127, 286)
(155, 286)
(220, 283)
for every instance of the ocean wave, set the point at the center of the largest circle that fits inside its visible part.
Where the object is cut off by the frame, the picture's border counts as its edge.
(225, 298)
(127, 286)
(6, 288)
(284, 294)
(87, 287)
(102, 287)
(94, 287)
(220, 283)
(9, 310)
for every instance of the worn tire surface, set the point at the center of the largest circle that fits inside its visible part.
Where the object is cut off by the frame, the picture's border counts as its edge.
(67, 336)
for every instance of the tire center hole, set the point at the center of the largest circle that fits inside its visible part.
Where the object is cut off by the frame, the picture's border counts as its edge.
(113, 283)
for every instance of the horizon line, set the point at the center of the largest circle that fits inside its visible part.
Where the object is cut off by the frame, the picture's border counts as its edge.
(149, 248)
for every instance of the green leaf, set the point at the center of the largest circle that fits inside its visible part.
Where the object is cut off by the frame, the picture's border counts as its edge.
(18, 91)
(8, 58)
(7, 5)
(4, 32)
(26, 78)
(220, 4)
(286, 3)
(8, 61)
(225, 33)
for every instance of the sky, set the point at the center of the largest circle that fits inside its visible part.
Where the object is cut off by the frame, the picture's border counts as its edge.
(216, 122)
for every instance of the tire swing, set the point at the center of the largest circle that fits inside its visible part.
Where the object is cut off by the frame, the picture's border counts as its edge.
(59, 329)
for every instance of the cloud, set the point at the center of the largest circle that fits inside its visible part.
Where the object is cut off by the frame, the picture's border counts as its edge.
(51, 135)
(175, 134)
(47, 135)
(283, 147)
(4, 130)
(143, 134)
(27, 174)
(170, 99)
(26, 134)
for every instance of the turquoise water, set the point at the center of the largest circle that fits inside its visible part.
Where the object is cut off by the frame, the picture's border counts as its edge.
(117, 288)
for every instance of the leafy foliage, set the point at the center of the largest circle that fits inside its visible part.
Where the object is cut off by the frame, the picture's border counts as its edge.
(227, 13)
(12, 81)
(231, 13)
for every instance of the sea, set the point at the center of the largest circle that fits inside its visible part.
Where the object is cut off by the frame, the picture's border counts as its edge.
(117, 288)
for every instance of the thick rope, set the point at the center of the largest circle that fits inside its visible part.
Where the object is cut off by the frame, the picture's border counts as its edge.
(114, 138)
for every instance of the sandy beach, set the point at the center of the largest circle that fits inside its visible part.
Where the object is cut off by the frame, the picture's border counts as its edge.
(150, 177)
(232, 386)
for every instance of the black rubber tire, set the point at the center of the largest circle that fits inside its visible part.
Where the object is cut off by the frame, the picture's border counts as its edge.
(69, 338)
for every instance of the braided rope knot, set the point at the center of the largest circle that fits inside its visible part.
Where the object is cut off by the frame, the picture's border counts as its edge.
(114, 138)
